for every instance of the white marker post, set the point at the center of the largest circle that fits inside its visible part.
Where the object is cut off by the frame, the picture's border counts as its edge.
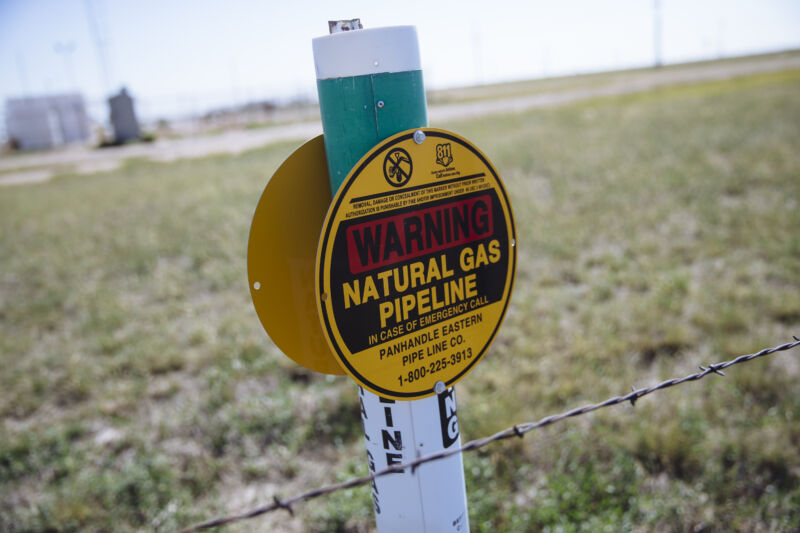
(432, 498)
(370, 88)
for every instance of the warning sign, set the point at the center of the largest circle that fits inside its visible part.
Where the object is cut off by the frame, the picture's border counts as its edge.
(415, 264)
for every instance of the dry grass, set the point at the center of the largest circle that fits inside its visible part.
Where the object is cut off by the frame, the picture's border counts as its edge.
(656, 232)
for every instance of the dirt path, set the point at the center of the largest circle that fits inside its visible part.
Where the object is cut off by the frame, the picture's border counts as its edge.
(38, 167)
(32, 168)
(621, 83)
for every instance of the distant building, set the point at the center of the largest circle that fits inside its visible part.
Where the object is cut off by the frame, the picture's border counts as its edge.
(41, 122)
(123, 117)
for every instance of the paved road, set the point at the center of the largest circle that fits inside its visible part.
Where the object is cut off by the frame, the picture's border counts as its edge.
(32, 168)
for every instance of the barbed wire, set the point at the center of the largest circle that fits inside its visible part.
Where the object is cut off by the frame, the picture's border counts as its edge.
(518, 430)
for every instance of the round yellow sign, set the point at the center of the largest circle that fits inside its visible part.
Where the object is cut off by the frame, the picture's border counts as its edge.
(415, 264)
(281, 253)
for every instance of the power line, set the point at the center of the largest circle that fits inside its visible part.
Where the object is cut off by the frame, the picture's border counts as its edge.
(657, 29)
(515, 431)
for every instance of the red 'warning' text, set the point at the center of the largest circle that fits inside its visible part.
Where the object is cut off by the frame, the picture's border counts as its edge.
(400, 237)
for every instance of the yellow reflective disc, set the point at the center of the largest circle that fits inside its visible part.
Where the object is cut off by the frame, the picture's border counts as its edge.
(415, 264)
(281, 253)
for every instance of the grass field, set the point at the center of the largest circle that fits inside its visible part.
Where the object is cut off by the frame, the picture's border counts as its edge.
(632, 77)
(657, 231)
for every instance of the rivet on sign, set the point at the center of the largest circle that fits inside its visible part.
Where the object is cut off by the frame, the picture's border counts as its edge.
(375, 63)
(439, 387)
(513, 242)
(380, 103)
(324, 296)
(256, 285)
(419, 136)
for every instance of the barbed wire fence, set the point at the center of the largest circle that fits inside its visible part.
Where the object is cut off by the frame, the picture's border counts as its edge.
(518, 430)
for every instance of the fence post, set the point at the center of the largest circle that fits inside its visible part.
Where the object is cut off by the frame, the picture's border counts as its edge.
(370, 87)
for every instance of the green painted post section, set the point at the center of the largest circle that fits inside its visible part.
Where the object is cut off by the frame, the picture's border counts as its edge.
(353, 122)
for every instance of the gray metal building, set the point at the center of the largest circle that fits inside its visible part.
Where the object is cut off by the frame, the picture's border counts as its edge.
(40, 122)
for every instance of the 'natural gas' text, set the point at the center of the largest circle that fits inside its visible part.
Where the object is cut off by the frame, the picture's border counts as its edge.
(405, 285)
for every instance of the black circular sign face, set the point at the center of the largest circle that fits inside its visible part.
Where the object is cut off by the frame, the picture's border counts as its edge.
(397, 167)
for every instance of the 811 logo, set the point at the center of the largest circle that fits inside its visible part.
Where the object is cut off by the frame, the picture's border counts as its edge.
(444, 154)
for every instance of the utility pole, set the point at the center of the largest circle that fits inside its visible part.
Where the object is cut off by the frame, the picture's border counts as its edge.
(477, 55)
(22, 72)
(100, 45)
(657, 60)
(65, 50)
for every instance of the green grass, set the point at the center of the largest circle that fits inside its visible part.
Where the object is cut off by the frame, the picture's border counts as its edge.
(585, 80)
(657, 231)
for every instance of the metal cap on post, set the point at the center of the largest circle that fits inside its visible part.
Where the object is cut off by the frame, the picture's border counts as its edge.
(337, 26)
(370, 87)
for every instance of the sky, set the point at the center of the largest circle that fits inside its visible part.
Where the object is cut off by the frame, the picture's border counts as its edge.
(179, 57)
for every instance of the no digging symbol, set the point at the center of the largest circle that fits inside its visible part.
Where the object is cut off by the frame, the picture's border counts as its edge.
(397, 167)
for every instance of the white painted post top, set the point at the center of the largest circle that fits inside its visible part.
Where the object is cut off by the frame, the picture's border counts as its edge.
(362, 52)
